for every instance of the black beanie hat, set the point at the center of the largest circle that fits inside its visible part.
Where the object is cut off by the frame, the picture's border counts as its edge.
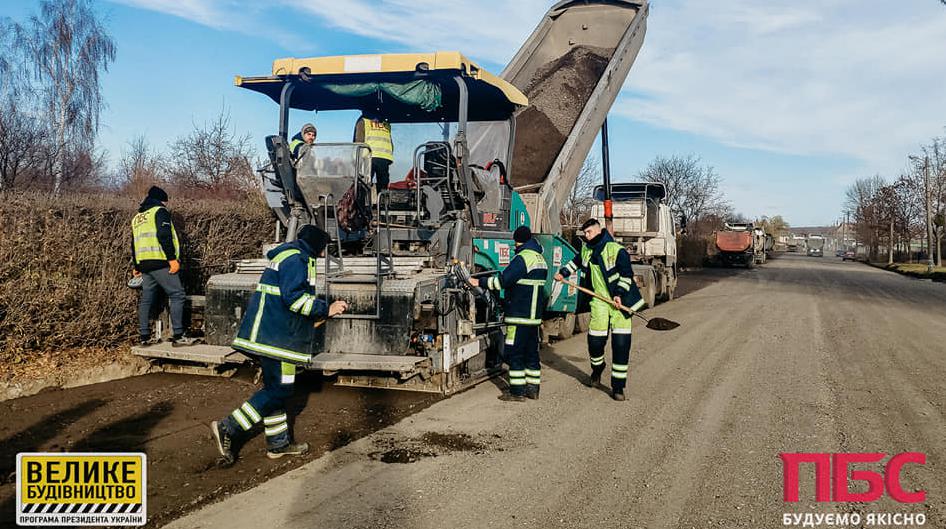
(314, 237)
(158, 194)
(522, 234)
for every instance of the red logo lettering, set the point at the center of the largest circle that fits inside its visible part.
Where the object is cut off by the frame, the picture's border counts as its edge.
(839, 467)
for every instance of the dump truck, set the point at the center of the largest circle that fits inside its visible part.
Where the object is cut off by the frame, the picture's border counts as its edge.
(736, 245)
(644, 224)
(815, 245)
(414, 323)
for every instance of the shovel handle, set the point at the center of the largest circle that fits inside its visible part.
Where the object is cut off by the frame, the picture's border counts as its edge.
(611, 302)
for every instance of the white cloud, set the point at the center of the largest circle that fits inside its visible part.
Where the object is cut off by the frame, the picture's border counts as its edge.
(851, 78)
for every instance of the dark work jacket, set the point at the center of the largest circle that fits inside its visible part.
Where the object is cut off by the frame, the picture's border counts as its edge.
(619, 277)
(523, 282)
(163, 219)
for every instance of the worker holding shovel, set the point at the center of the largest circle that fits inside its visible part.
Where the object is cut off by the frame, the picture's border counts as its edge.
(606, 267)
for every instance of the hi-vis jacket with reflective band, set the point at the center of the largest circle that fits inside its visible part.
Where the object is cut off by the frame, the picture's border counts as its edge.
(278, 320)
(609, 267)
(524, 282)
(294, 144)
(378, 137)
(144, 231)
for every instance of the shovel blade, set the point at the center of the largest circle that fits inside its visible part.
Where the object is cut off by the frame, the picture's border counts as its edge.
(662, 324)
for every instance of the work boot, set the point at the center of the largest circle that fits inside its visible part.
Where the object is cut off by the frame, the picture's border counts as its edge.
(512, 397)
(224, 444)
(291, 449)
(183, 341)
(595, 378)
(532, 392)
(618, 395)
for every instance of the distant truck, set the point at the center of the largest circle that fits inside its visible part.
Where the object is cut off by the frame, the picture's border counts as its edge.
(644, 224)
(815, 245)
(737, 245)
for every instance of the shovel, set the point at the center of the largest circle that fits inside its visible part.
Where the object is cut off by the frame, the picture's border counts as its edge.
(657, 324)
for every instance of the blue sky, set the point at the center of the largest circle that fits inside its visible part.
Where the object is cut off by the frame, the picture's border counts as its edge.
(790, 101)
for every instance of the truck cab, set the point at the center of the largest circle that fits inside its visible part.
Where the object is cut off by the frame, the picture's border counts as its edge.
(644, 224)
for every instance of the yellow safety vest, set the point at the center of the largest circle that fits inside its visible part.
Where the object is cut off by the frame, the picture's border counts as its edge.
(609, 255)
(378, 137)
(144, 229)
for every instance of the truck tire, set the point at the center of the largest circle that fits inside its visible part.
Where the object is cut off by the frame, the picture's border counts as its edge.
(650, 292)
(567, 327)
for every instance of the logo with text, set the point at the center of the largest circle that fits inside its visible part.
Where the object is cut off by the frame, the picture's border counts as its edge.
(81, 489)
(835, 474)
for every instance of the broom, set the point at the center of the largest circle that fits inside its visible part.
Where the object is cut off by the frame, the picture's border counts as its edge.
(657, 324)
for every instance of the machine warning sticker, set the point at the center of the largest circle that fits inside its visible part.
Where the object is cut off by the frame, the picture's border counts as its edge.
(557, 257)
(503, 251)
(55, 488)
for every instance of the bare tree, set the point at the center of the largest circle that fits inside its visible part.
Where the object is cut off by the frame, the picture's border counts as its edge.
(213, 156)
(578, 204)
(692, 188)
(861, 204)
(20, 145)
(65, 49)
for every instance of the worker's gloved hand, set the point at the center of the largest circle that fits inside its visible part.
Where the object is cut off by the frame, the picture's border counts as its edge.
(175, 266)
(559, 277)
(617, 301)
(337, 307)
(135, 272)
(474, 282)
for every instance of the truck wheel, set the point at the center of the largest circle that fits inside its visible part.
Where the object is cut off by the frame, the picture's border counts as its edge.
(566, 327)
(650, 294)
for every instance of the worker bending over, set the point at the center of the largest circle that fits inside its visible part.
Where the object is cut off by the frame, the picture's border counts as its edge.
(523, 281)
(277, 329)
(608, 265)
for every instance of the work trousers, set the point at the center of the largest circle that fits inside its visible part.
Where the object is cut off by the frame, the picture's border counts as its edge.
(170, 283)
(521, 352)
(267, 405)
(606, 318)
(381, 172)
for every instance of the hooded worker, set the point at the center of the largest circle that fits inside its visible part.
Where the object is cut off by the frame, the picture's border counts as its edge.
(606, 265)
(523, 281)
(276, 329)
(155, 251)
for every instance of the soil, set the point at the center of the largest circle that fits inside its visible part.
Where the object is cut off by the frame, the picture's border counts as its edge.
(557, 95)
(167, 416)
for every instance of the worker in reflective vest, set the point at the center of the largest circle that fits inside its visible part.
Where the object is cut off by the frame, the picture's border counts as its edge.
(306, 136)
(155, 251)
(377, 134)
(606, 265)
(277, 329)
(523, 282)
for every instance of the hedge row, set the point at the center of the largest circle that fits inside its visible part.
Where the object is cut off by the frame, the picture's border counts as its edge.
(64, 263)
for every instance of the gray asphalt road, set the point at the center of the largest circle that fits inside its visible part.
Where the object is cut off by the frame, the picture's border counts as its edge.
(801, 355)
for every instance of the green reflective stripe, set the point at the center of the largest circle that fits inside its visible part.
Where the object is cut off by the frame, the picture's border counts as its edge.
(517, 373)
(298, 303)
(517, 381)
(276, 430)
(619, 376)
(240, 418)
(307, 308)
(533, 372)
(524, 321)
(313, 271)
(510, 334)
(259, 316)
(268, 289)
(250, 412)
(619, 367)
(272, 350)
(281, 256)
(533, 260)
(539, 282)
(273, 420)
(597, 360)
(637, 306)
(614, 277)
(533, 380)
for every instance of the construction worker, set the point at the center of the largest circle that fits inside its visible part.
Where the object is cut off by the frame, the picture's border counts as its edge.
(155, 252)
(306, 136)
(377, 134)
(606, 268)
(277, 329)
(523, 281)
